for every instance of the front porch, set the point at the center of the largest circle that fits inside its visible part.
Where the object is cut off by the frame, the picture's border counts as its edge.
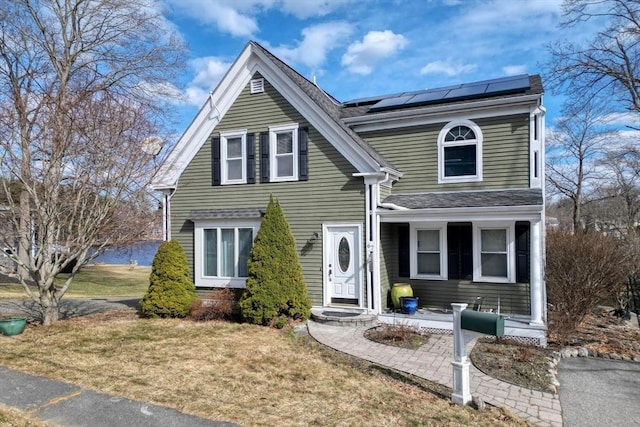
(435, 320)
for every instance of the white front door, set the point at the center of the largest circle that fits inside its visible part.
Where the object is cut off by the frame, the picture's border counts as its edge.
(343, 263)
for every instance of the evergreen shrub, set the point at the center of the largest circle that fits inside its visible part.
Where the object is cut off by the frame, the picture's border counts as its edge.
(275, 289)
(171, 291)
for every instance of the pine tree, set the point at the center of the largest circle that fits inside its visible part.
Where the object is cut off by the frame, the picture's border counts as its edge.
(171, 291)
(275, 291)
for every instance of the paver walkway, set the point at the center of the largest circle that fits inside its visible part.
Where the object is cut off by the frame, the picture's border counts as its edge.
(432, 361)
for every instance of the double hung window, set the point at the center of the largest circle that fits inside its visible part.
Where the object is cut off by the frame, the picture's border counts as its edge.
(233, 157)
(283, 141)
(427, 251)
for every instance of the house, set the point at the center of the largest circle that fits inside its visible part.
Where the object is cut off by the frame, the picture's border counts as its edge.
(440, 188)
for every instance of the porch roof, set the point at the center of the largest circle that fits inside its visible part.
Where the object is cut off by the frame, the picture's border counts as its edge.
(468, 199)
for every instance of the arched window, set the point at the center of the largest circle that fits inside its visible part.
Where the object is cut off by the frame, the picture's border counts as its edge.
(460, 152)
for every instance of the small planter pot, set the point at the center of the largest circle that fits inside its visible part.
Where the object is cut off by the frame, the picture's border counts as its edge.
(409, 305)
(13, 326)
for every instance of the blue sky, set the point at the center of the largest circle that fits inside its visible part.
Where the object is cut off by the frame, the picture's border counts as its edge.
(360, 48)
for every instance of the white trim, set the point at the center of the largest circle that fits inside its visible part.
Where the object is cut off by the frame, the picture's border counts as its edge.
(250, 61)
(441, 227)
(443, 145)
(443, 113)
(536, 147)
(509, 228)
(358, 263)
(198, 240)
(273, 147)
(224, 137)
(494, 213)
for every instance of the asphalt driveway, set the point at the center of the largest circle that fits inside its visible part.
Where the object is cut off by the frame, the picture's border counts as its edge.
(599, 392)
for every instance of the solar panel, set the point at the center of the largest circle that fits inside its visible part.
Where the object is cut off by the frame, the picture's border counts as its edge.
(467, 91)
(520, 82)
(428, 96)
(502, 85)
(392, 102)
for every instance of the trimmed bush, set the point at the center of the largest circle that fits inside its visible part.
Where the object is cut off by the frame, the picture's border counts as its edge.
(171, 291)
(275, 292)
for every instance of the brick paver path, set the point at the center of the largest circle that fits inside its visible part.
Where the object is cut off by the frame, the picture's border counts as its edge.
(432, 361)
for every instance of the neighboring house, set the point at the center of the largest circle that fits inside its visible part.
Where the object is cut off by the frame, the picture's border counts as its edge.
(441, 188)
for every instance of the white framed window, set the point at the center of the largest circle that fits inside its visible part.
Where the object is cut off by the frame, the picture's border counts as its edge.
(233, 157)
(494, 253)
(221, 252)
(283, 152)
(428, 251)
(460, 152)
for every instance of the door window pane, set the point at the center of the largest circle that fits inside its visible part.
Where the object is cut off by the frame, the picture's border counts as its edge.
(210, 252)
(344, 255)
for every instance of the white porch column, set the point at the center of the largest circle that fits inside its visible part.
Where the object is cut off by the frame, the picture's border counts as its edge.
(537, 291)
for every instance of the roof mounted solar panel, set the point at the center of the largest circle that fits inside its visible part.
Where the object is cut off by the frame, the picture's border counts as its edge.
(428, 96)
(508, 85)
(467, 91)
(393, 102)
(474, 90)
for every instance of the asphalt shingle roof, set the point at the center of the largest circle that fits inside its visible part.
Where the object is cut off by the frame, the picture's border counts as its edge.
(199, 214)
(468, 199)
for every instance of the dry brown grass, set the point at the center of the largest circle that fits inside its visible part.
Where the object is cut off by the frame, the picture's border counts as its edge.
(245, 374)
(10, 417)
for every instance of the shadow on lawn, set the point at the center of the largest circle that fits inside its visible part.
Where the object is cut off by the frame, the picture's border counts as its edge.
(68, 307)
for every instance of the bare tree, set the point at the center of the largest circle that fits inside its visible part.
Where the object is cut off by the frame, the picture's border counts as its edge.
(609, 64)
(574, 148)
(82, 85)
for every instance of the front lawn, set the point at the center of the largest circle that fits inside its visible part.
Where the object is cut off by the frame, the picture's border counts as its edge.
(95, 281)
(246, 374)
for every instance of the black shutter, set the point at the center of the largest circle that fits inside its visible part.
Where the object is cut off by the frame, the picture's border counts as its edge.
(251, 158)
(404, 251)
(303, 154)
(215, 160)
(264, 156)
(523, 253)
(460, 251)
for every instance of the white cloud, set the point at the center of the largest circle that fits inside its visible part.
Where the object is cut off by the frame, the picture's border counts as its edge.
(362, 55)
(514, 70)
(316, 42)
(208, 73)
(448, 67)
(307, 8)
(232, 17)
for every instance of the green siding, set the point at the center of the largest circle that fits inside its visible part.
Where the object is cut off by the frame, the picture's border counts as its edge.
(331, 195)
(514, 297)
(414, 151)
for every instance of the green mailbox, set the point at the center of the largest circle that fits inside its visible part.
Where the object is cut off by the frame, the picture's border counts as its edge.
(485, 323)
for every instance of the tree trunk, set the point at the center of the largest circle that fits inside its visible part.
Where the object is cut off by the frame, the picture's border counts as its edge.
(50, 311)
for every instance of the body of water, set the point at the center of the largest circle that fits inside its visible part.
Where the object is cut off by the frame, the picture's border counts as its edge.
(140, 252)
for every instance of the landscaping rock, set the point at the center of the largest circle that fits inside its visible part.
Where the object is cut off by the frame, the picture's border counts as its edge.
(583, 352)
(592, 352)
(615, 356)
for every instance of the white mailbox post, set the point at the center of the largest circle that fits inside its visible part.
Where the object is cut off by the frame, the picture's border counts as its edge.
(461, 394)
